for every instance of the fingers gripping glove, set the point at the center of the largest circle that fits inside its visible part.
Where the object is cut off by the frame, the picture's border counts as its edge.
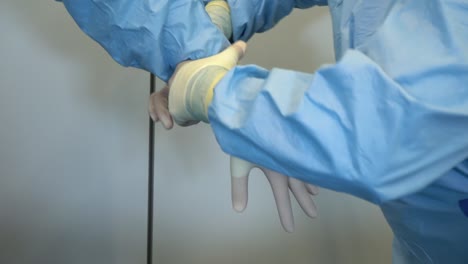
(192, 85)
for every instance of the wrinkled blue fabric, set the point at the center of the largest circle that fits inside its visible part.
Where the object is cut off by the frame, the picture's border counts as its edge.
(156, 35)
(255, 16)
(387, 123)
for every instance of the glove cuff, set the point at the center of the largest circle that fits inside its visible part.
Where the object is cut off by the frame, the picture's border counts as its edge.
(201, 91)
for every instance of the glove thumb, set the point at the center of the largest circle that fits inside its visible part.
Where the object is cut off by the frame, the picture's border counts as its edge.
(230, 56)
(240, 170)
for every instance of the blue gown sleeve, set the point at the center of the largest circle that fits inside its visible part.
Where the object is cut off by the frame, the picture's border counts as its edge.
(254, 16)
(348, 127)
(154, 35)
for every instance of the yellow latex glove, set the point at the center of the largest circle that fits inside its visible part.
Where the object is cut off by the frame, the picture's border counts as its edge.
(220, 15)
(192, 85)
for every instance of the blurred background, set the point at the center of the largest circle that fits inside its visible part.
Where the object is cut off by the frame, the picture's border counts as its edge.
(73, 160)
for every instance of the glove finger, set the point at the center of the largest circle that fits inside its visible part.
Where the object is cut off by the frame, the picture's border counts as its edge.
(158, 108)
(302, 195)
(312, 189)
(152, 107)
(240, 170)
(279, 186)
(238, 51)
(230, 56)
(239, 193)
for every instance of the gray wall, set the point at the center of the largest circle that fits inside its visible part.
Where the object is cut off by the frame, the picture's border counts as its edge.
(73, 157)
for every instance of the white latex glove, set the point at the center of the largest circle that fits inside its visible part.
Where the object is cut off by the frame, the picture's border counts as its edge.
(280, 185)
(240, 169)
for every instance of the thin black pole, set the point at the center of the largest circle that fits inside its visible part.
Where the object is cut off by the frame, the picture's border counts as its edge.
(149, 243)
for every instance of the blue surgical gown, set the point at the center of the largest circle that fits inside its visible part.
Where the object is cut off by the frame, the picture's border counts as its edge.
(387, 123)
(154, 35)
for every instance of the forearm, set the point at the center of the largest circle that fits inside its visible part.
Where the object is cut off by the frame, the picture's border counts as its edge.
(349, 127)
(154, 35)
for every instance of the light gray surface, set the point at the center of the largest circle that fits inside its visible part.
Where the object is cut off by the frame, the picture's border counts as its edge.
(73, 150)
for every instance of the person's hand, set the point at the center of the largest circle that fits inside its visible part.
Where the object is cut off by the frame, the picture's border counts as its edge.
(280, 185)
(220, 14)
(192, 86)
(159, 110)
(189, 92)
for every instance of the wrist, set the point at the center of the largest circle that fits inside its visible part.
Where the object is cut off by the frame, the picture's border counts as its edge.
(202, 90)
(191, 87)
(220, 15)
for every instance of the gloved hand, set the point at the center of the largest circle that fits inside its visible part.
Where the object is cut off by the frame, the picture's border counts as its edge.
(280, 186)
(193, 82)
(220, 14)
(189, 106)
(191, 92)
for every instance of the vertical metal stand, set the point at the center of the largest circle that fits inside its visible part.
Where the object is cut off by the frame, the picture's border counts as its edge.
(149, 243)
